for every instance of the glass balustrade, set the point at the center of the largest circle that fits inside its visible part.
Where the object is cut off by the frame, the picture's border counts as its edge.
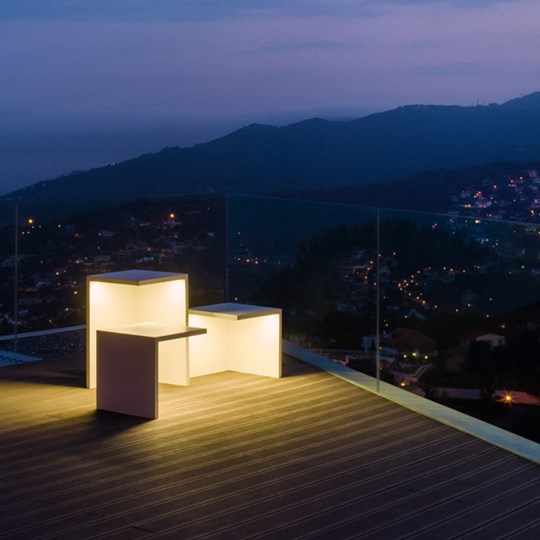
(449, 310)
(445, 307)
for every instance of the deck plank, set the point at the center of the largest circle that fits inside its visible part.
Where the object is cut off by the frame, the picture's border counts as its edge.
(241, 456)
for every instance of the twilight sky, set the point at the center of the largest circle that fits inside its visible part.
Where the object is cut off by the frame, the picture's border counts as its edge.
(87, 82)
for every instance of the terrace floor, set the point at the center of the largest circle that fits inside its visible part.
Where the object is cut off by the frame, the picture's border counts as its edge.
(241, 456)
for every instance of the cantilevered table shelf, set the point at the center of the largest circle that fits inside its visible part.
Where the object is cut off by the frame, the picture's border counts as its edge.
(129, 361)
(160, 332)
(240, 337)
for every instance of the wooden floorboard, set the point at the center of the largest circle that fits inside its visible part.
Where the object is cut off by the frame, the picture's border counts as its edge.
(241, 456)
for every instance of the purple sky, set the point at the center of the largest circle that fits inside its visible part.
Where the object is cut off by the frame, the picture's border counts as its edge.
(86, 82)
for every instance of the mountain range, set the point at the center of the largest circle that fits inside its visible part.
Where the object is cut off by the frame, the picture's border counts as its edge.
(314, 154)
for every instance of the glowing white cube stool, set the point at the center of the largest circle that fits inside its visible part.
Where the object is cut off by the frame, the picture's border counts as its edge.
(119, 299)
(128, 366)
(239, 337)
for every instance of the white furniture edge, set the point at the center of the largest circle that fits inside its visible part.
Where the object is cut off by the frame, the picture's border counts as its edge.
(237, 312)
(157, 331)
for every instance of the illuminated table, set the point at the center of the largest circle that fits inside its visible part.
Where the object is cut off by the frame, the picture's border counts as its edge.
(129, 360)
(239, 337)
(118, 299)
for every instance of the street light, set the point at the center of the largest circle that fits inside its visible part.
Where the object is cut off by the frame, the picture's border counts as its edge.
(507, 398)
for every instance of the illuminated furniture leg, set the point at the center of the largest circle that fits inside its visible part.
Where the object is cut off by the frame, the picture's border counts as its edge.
(239, 337)
(129, 360)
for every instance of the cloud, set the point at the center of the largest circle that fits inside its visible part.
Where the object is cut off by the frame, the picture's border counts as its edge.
(449, 70)
(254, 62)
(450, 3)
(206, 10)
(289, 47)
(183, 10)
(188, 10)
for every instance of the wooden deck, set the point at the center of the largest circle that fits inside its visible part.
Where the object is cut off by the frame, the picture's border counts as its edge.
(241, 456)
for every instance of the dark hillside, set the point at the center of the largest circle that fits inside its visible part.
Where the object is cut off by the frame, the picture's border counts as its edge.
(427, 192)
(313, 154)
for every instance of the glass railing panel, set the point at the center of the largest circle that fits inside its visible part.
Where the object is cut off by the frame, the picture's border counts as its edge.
(316, 262)
(174, 234)
(459, 314)
(449, 309)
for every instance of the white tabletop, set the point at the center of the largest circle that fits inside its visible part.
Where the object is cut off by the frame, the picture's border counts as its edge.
(157, 331)
(230, 310)
(137, 277)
